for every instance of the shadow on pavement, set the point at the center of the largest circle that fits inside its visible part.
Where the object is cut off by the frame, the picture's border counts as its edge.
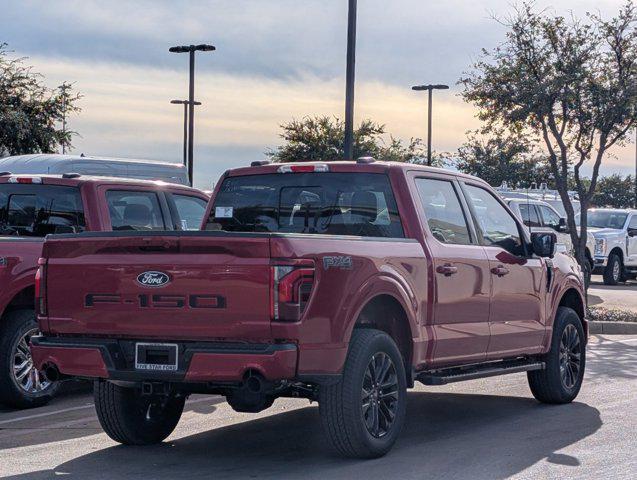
(610, 359)
(76, 423)
(447, 435)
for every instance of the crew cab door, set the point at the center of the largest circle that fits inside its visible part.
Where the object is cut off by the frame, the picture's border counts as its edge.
(517, 281)
(460, 320)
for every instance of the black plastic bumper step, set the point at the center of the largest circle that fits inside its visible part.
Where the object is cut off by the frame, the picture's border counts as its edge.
(459, 374)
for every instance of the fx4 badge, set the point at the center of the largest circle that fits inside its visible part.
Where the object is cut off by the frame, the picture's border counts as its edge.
(153, 279)
(344, 263)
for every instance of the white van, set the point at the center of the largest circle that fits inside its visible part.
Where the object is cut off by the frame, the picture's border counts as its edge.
(97, 166)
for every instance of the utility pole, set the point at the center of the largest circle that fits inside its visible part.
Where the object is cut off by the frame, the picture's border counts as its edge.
(185, 104)
(191, 49)
(348, 144)
(64, 87)
(430, 89)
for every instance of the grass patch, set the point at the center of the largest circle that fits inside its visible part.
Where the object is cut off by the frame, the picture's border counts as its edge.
(600, 314)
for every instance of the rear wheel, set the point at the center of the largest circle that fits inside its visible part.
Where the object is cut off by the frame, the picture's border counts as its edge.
(561, 380)
(131, 418)
(21, 384)
(614, 270)
(364, 413)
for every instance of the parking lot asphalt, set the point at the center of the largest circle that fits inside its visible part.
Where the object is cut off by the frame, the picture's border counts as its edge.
(623, 296)
(483, 429)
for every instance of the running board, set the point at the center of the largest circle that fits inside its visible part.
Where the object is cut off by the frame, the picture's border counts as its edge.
(459, 374)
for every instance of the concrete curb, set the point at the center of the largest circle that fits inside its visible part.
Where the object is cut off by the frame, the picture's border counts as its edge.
(612, 328)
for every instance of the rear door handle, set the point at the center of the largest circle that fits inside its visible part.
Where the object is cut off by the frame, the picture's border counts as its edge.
(447, 269)
(500, 271)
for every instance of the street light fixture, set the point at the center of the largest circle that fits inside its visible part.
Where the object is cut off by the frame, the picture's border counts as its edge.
(191, 49)
(429, 88)
(185, 104)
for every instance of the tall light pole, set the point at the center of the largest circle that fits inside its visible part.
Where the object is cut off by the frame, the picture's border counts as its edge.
(64, 87)
(430, 89)
(348, 144)
(191, 49)
(185, 104)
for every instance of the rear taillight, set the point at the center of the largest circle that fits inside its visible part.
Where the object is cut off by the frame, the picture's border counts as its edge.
(290, 290)
(40, 288)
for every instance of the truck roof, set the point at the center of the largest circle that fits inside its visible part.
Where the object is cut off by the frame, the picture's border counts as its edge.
(79, 180)
(614, 210)
(375, 166)
(91, 165)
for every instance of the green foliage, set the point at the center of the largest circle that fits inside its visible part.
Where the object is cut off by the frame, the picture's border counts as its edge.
(615, 191)
(500, 156)
(321, 138)
(30, 113)
(567, 83)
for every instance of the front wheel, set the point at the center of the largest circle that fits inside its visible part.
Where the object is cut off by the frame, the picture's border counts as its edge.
(561, 379)
(131, 418)
(364, 413)
(614, 270)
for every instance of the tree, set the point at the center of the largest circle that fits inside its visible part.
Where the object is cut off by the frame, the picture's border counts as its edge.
(501, 156)
(569, 84)
(321, 138)
(31, 114)
(615, 192)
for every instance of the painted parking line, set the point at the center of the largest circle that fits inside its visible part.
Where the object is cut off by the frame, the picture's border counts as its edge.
(46, 414)
(82, 407)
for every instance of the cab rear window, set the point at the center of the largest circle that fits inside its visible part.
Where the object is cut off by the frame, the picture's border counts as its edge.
(360, 204)
(35, 210)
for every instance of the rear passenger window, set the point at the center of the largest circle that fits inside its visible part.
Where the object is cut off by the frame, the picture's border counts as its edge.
(498, 227)
(131, 210)
(443, 211)
(190, 211)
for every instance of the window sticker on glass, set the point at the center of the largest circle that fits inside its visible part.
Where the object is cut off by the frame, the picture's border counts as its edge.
(224, 212)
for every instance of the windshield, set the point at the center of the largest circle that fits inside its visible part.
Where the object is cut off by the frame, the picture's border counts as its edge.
(38, 210)
(606, 219)
(359, 204)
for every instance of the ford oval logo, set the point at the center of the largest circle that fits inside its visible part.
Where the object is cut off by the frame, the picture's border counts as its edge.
(153, 279)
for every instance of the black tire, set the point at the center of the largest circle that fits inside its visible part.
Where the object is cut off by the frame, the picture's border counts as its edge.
(341, 405)
(554, 384)
(32, 390)
(613, 272)
(588, 272)
(124, 414)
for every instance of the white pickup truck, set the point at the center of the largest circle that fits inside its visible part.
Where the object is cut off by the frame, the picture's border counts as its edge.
(541, 216)
(615, 233)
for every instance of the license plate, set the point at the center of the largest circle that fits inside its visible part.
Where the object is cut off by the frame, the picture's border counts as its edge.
(156, 356)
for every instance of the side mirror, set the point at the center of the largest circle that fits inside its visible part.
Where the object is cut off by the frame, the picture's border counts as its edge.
(543, 244)
(632, 232)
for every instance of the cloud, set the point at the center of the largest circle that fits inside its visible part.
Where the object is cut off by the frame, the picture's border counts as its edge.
(276, 60)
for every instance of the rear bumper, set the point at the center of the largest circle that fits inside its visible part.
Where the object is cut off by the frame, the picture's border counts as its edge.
(197, 361)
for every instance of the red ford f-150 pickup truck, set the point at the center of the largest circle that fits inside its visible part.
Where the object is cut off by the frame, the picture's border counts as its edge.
(32, 206)
(342, 282)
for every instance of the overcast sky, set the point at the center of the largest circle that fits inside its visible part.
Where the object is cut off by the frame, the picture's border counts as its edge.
(275, 60)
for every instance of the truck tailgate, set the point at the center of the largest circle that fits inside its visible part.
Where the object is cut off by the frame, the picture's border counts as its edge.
(191, 286)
